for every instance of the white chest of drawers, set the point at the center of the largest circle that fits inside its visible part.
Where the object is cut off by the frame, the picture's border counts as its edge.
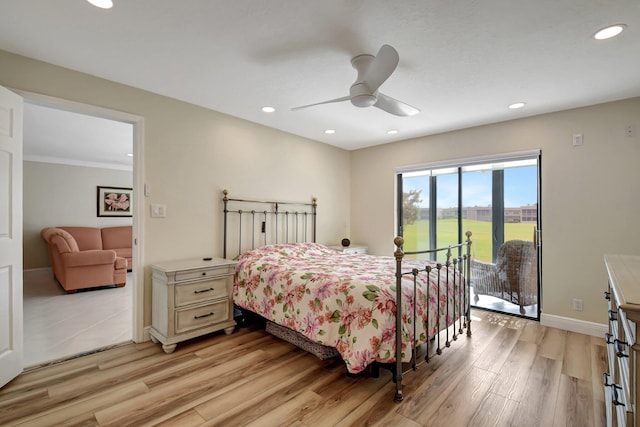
(622, 379)
(191, 298)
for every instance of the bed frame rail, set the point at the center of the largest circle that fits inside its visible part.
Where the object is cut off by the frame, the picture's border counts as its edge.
(456, 268)
(262, 222)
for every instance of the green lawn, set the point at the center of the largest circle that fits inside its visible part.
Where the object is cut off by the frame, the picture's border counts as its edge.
(448, 234)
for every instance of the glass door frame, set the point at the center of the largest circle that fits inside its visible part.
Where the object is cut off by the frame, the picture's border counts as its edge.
(498, 208)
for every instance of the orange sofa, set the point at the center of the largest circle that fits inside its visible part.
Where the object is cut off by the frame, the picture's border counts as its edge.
(88, 257)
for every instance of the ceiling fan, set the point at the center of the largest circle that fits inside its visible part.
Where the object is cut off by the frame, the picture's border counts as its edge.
(372, 72)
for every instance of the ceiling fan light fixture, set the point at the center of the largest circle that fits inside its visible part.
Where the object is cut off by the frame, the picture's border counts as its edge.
(102, 4)
(609, 32)
(517, 105)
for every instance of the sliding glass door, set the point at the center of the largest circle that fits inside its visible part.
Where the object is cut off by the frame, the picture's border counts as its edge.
(495, 199)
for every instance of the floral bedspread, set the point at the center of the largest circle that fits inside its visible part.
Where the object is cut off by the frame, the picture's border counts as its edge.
(341, 300)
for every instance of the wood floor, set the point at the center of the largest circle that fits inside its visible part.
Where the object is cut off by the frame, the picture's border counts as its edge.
(511, 372)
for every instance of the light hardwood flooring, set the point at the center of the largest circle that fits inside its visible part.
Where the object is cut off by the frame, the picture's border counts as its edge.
(511, 372)
(59, 325)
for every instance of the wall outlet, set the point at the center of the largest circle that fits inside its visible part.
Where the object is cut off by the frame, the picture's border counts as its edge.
(577, 139)
(577, 304)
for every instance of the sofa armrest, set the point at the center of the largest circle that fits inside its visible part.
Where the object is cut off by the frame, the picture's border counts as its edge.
(60, 239)
(87, 258)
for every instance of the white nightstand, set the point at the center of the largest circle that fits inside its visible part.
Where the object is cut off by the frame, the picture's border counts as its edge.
(352, 249)
(191, 297)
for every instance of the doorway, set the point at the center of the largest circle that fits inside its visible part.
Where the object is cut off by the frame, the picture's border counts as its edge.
(132, 292)
(498, 200)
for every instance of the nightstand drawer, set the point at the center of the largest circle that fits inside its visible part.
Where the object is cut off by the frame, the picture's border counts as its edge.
(182, 276)
(193, 318)
(201, 291)
(354, 249)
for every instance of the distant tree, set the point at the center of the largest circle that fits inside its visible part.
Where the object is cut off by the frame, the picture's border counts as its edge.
(410, 208)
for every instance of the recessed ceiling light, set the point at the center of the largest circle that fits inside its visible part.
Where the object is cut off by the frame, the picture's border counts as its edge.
(392, 131)
(103, 4)
(517, 105)
(329, 131)
(268, 109)
(130, 154)
(610, 31)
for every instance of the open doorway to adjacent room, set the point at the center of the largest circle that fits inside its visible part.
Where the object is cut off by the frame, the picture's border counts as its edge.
(69, 150)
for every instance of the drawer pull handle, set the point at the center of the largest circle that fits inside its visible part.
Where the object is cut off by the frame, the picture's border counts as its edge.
(607, 295)
(612, 315)
(619, 350)
(614, 399)
(199, 291)
(608, 337)
(605, 379)
(203, 315)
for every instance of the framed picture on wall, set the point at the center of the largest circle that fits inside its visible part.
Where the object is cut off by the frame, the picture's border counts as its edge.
(114, 201)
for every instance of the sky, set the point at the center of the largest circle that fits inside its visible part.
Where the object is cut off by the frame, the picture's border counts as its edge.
(520, 188)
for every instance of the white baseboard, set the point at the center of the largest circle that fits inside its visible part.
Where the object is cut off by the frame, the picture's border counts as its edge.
(36, 269)
(145, 334)
(573, 325)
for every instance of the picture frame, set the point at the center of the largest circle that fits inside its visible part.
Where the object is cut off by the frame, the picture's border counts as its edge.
(115, 201)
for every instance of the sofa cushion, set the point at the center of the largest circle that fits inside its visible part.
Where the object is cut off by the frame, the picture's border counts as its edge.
(88, 238)
(117, 238)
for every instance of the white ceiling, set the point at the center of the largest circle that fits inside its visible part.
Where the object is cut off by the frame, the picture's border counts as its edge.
(56, 136)
(461, 62)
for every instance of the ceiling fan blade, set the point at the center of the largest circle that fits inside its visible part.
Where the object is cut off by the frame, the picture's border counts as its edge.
(393, 106)
(344, 98)
(382, 66)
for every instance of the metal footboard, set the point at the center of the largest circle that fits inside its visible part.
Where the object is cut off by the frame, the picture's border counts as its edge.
(457, 269)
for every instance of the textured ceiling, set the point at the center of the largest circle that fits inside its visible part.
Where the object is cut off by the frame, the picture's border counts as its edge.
(461, 62)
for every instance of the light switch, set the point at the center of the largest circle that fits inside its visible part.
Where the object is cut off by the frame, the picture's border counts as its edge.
(158, 211)
(147, 190)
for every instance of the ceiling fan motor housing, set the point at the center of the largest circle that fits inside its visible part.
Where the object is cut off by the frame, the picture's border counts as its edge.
(361, 95)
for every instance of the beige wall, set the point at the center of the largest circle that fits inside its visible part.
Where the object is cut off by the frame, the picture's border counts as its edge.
(191, 154)
(590, 194)
(58, 195)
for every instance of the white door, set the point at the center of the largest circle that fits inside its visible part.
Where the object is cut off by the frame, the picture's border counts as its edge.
(11, 346)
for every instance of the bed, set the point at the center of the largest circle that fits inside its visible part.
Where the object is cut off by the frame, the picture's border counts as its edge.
(347, 302)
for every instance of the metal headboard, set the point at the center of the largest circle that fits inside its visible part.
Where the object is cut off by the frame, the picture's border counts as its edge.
(259, 223)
